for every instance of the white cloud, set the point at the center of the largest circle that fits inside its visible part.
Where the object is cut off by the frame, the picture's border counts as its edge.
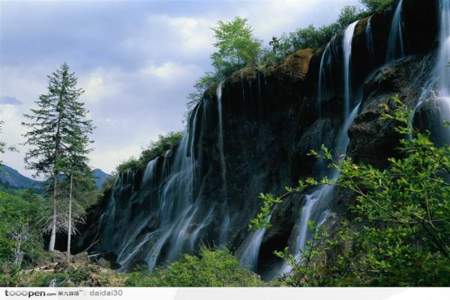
(137, 61)
(170, 72)
(12, 132)
(194, 34)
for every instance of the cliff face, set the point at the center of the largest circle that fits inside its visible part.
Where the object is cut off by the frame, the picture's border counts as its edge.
(252, 134)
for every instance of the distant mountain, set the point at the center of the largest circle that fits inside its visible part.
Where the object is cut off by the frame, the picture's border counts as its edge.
(11, 178)
(100, 178)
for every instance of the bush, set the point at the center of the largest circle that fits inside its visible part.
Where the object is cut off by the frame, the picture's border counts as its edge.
(397, 230)
(157, 148)
(217, 268)
(22, 216)
(376, 5)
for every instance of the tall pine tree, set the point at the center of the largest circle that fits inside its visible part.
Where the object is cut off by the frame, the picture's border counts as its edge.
(58, 135)
(77, 170)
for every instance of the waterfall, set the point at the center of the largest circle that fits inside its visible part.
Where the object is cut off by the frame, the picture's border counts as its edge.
(316, 207)
(347, 48)
(437, 89)
(177, 210)
(369, 38)
(223, 237)
(317, 203)
(150, 170)
(248, 252)
(223, 168)
(322, 82)
(443, 62)
(395, 47)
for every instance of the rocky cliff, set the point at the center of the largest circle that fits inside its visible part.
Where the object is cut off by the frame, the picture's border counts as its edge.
(252, 134)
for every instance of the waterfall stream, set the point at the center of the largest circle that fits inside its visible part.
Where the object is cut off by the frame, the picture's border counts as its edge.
(347, 48)
(322, 82)
(395, 47)
(437, 89)
(316, 207)
(369, 39)
(443, 62)
(170, 215)
(223, 167)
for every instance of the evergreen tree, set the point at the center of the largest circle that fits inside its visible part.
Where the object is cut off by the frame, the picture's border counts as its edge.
(77, 170)
(57, 135)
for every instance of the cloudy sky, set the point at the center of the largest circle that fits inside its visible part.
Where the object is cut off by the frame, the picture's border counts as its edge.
(136, 60)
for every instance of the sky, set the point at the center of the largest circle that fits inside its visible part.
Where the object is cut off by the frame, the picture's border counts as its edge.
(136, 60)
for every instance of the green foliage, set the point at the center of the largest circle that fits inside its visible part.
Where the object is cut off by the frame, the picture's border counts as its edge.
(308, 37)
(262, 219)
(200, 87)
(52, 125)
(376, 5)
(156, 148)
(236, 47)
(21, 219)
(397, 230)
(217, 268)
(58, 138)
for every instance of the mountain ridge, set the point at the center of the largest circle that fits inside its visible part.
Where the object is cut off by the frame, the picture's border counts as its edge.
(11, 178)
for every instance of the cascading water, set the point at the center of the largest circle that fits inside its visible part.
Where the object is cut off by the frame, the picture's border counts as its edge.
(176, 209)
(248, 252)
(221, 151)
(347, 48)
(317, 203)
(395, 47)
(437, 89)
(443, 62)
(369, 38)
(322, 82)
(223, 167)
(187, 198)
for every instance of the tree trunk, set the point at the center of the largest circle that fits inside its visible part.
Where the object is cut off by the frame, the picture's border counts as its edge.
(69, 227)
(51, 246)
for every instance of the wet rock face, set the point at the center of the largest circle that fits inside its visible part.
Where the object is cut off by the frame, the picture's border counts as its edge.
(373, 139)
(431, 116)
(270, 122)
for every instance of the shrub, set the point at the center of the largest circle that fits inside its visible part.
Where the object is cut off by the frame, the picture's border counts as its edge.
(22, 215)
(217, 268)
(157, 148)
(375, 5)
(397, 230)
